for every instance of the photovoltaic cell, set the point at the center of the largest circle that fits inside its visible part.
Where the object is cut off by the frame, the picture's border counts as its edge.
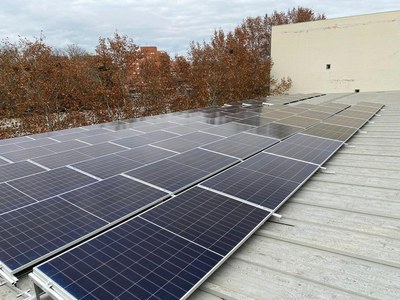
(146, 154)
(201, 137)
(100, 149)
(241, 145)
(307, 148)
(263, 179)
(257, 121)
(298, 121)
(277, 131)
(17, 170)
(10, 148)
(64, 146)
(36, 143)
(107, 166)
(61, 159)
(330, 131)
(51, 183)
(177, 144)
(26, 154)
(315, 114)
(345, 121)
(12, 199)
(114, 198)
(214, 221)
(136, 260)
(228, 129)
(277, 114)
(371, 104)
(31, 232)
(356, 114)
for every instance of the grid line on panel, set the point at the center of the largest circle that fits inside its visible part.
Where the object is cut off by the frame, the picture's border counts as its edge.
(134, 260)
(16, 170)
(12, 199)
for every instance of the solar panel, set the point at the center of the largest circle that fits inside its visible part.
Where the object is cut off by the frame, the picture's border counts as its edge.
(14, 140)
(328, 109)
(61, 159)
(337, 105)
(115, 198)
(298, 121)
(35, 231)
(315, 114)
(277, 114)
(264, 179)
(345, 121)
(12, 199)
(10, 148)
(136, 260)
(96, 139)
(107, 166)
(69, 136)
(241, 145)
(178, 144)
(305, 105)
(26, 154)
(243, 114)
(159, 135)
(307, 148)
(371, 104)
(64, 146)
(51, 183)
(211, 220)
(277, 131)
(228, 129)
(146, 154)
(156, 127)
(36, 143)
(257, 121)
(369, 109)
(219, 120)
(201, 137)
(292, 109)
(330, 131)
(134, 141)
(182, 170)
(3, 162)
(16, 170)
(100, 149)
(95, 131)
(356, 114)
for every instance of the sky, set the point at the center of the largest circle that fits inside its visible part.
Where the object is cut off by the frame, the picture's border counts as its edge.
(168, 24)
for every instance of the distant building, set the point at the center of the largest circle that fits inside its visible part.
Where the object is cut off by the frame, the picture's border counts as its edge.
(359, 53)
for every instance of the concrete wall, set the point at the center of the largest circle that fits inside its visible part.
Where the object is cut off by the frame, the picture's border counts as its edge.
(363, 53)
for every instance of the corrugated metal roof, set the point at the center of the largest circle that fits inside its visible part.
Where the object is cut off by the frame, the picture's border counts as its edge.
(339, 234)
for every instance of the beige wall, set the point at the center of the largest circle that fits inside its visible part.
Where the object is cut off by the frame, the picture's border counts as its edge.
(363, 51)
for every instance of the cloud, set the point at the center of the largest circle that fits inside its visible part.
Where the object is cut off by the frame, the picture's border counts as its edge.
(170, 25)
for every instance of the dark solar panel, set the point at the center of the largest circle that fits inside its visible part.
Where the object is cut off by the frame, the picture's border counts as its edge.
(298, 121)
(201, 137)
(31, 232)
(263, 179)
(37, 143)
(243, 114)
(305, 105)
(107, 166)
(241, 145)
(96, 139)
(10, 148)
(123, 133)
(219, 120)
(61, 159)
(307, 148)
(3, 162)
(178, 144)
(101, 149)
(277, 114)
(345, 121)
(11, 199)
(146, 154)
(159, 135)
(136, 260)
(114, 198)
(134, 141)
(209, 219)
(69, 136)
(14, 140)
(330, 131)
(277, 131)
(228, 129)
(17, 170)
(51, 183)
(96, 131)
(26, 154)
(156, 127)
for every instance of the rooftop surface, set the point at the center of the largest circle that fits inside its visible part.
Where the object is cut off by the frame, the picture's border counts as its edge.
(339, 234)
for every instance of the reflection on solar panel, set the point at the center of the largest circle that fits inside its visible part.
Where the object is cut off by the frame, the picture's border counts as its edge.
(277, 131)
(330, 131)
(48, 184)
(241, 145)
(298, 121)
(345, 121)
(307, 148)
(17, 170)
(229, 129)
(35, 231)
(114, 198)
(264, 179)
(208, 219)
(257, 121)
(136, 260)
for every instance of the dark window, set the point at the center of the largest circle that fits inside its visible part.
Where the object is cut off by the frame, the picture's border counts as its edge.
(328, 66)
(357, 90)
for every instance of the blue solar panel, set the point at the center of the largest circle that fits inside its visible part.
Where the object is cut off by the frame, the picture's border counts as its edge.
(263, 179)
(37, 230)
(136, 260)
(307, 148)
(17, 170)
(214, 221)
(114, 198)
(11, 199)
(48, 184)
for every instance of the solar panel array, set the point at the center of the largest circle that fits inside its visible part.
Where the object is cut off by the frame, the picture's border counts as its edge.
(104, 174)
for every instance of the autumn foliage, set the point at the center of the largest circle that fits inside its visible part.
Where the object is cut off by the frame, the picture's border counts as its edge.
(44, 89)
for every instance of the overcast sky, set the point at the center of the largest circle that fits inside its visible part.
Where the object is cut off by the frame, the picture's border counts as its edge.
(169, 24)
